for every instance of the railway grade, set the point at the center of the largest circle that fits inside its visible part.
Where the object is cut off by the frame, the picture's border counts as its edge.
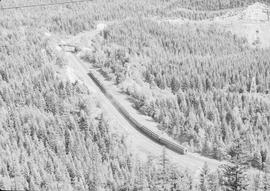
(143, 129)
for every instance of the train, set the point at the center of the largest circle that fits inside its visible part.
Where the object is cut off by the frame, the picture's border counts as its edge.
(146, 131)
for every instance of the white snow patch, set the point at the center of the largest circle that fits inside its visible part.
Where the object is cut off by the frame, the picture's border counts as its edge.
(47, 34)
(101, 26)
(71, 75)
(255, 12)
(251, 23)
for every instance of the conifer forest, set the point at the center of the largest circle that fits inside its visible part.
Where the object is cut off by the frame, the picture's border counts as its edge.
(135, 95)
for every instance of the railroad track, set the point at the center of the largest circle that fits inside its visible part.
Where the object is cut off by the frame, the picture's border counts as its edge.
(143, 129)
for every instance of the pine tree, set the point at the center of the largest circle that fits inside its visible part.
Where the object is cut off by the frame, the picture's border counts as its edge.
(235, 174)
(149, 171)
(141, 180)
(164, 171)
(266, 182)
(264, 155)
(67, 141)
(83, 123)
(174, 177)
(204, 178)
(257, 183)
(185, 182)
(175, 85)
(253, 86)
(257, 160)
(235, 178)
(213, 182)
(206, 149)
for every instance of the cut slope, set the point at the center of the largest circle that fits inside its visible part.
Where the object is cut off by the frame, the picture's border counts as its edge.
(255, 12)
(252, 23)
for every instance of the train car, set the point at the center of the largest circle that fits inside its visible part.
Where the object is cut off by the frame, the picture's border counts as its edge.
(173, 146)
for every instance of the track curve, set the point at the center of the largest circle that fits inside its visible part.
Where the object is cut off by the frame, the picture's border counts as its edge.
(143, 129)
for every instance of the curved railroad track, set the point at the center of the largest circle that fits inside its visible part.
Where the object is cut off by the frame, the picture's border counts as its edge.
(141, 128)
(141, 142)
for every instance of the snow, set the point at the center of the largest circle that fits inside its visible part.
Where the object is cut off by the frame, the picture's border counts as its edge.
(101, 26)
(84, 39)
(251, 23)
(255, 12)
(47, 34)
(71, 76)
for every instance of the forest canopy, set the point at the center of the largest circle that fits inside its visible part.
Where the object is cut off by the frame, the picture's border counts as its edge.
(209, 91)
(218, 85)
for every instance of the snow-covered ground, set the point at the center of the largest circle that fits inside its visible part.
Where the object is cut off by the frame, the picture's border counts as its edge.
(255, 12)
(251, 23)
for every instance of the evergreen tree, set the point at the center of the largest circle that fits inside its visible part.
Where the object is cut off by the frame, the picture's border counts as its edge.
(235, 178)
(204, 178)
(264, 156)
(257, 179)
(235, 173)
(206, 149)
(257, 160)
(164, 176)
(175, 85)
(214, 184)
(253, 86)
(266, 182)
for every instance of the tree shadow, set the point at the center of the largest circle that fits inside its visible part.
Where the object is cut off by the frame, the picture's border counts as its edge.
(150, 118)
(104, 74)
